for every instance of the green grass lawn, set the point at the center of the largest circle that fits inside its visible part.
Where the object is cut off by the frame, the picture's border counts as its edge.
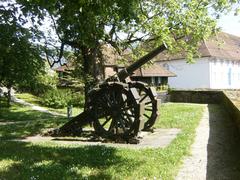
(22, 160)
(37, 101)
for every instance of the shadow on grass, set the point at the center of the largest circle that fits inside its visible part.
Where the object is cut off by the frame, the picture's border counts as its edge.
(223, 146)
(28, 122)
(20, 113)
(52, 162)
(24, 129)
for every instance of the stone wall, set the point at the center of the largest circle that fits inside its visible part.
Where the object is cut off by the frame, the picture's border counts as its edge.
(196, 96)
(163, 96)
(232, 107)
(209, 97)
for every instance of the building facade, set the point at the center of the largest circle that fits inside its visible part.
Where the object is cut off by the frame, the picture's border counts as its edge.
(217, 68)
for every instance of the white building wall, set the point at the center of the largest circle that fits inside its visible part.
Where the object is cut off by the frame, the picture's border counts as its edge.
(189, 76)
(224, 74)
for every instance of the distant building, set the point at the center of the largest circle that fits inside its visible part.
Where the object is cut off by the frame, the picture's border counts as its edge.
(64, 75)
(154, 74)
(217, 68)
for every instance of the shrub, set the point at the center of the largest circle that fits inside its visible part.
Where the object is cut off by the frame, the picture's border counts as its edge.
(59, 98)
(162, 87)
(55, 99)
(41, 83)
(76, 99)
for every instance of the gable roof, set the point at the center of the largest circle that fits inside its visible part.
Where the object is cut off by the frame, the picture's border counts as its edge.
(154, 70)
(223, 45)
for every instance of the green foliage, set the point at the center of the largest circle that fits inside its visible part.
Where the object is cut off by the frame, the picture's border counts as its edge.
(76, 99)
(55, 99)
(41, 83)
(58, 98)
(85, 25)
(20, 59)
(162, 87)
(179, 24)
(36, 100)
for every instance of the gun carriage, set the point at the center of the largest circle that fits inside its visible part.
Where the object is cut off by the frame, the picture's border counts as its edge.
(117, 108)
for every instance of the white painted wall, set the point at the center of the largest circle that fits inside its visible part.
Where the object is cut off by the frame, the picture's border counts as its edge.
(213, 73)
(224, 74)
(189, 76)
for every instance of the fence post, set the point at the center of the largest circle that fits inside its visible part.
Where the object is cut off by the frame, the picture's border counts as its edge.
(69, 112)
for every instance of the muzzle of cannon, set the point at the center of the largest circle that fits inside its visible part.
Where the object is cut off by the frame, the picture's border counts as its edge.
(118, 109)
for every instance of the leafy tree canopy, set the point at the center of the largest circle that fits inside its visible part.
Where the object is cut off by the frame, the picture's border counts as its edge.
(85, 25)
(123, 23)
(20, 61)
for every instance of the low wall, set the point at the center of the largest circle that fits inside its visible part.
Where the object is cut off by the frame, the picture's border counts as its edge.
(209, 97)
(163, 96)
(196, 96)
(232, 107)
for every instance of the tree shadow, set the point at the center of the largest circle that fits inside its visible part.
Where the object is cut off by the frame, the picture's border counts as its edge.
(59, 162)
(18, 113)
(23, 126)
(223, 146)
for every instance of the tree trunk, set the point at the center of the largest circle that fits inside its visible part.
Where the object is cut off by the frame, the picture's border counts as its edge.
(92, 72)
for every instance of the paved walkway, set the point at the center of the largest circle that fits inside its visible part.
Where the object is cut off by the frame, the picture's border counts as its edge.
(161, 138)
(37, 108)
(215, 153)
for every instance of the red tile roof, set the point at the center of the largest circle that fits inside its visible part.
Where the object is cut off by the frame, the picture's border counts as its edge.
(223, 45)
(154, 70)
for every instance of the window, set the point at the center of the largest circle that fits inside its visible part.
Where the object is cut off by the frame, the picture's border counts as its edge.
(228, 63)
(214, 62)
(159, 80)
(153, 80)
(229, 76)
(222, 62)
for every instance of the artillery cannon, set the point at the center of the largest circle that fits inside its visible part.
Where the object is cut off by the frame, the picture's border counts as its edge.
(116, 108)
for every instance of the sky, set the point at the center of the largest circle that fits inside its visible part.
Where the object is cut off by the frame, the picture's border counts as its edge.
(230, 24)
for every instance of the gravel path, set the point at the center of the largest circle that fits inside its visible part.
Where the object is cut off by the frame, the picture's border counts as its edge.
(215, 154)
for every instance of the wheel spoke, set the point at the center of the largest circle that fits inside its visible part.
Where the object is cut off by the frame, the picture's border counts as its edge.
(122, 124)
(130, 115)
(143, 98)
(111, 125)
(148, 102)
(107, 120)
(146, 116)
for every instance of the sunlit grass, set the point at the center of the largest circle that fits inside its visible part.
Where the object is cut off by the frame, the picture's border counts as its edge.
(22, 160)
(37, 101)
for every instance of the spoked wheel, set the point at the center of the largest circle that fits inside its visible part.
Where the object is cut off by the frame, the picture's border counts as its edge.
(149, 97)
(115, 111)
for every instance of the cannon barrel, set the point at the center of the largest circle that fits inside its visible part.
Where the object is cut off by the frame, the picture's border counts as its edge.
(123, 74)
(117, 109)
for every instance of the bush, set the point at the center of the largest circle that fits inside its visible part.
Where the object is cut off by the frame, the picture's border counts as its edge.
(54, 98)
(162, 87)
(45, 81)
(58, 98)
(76, 99)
